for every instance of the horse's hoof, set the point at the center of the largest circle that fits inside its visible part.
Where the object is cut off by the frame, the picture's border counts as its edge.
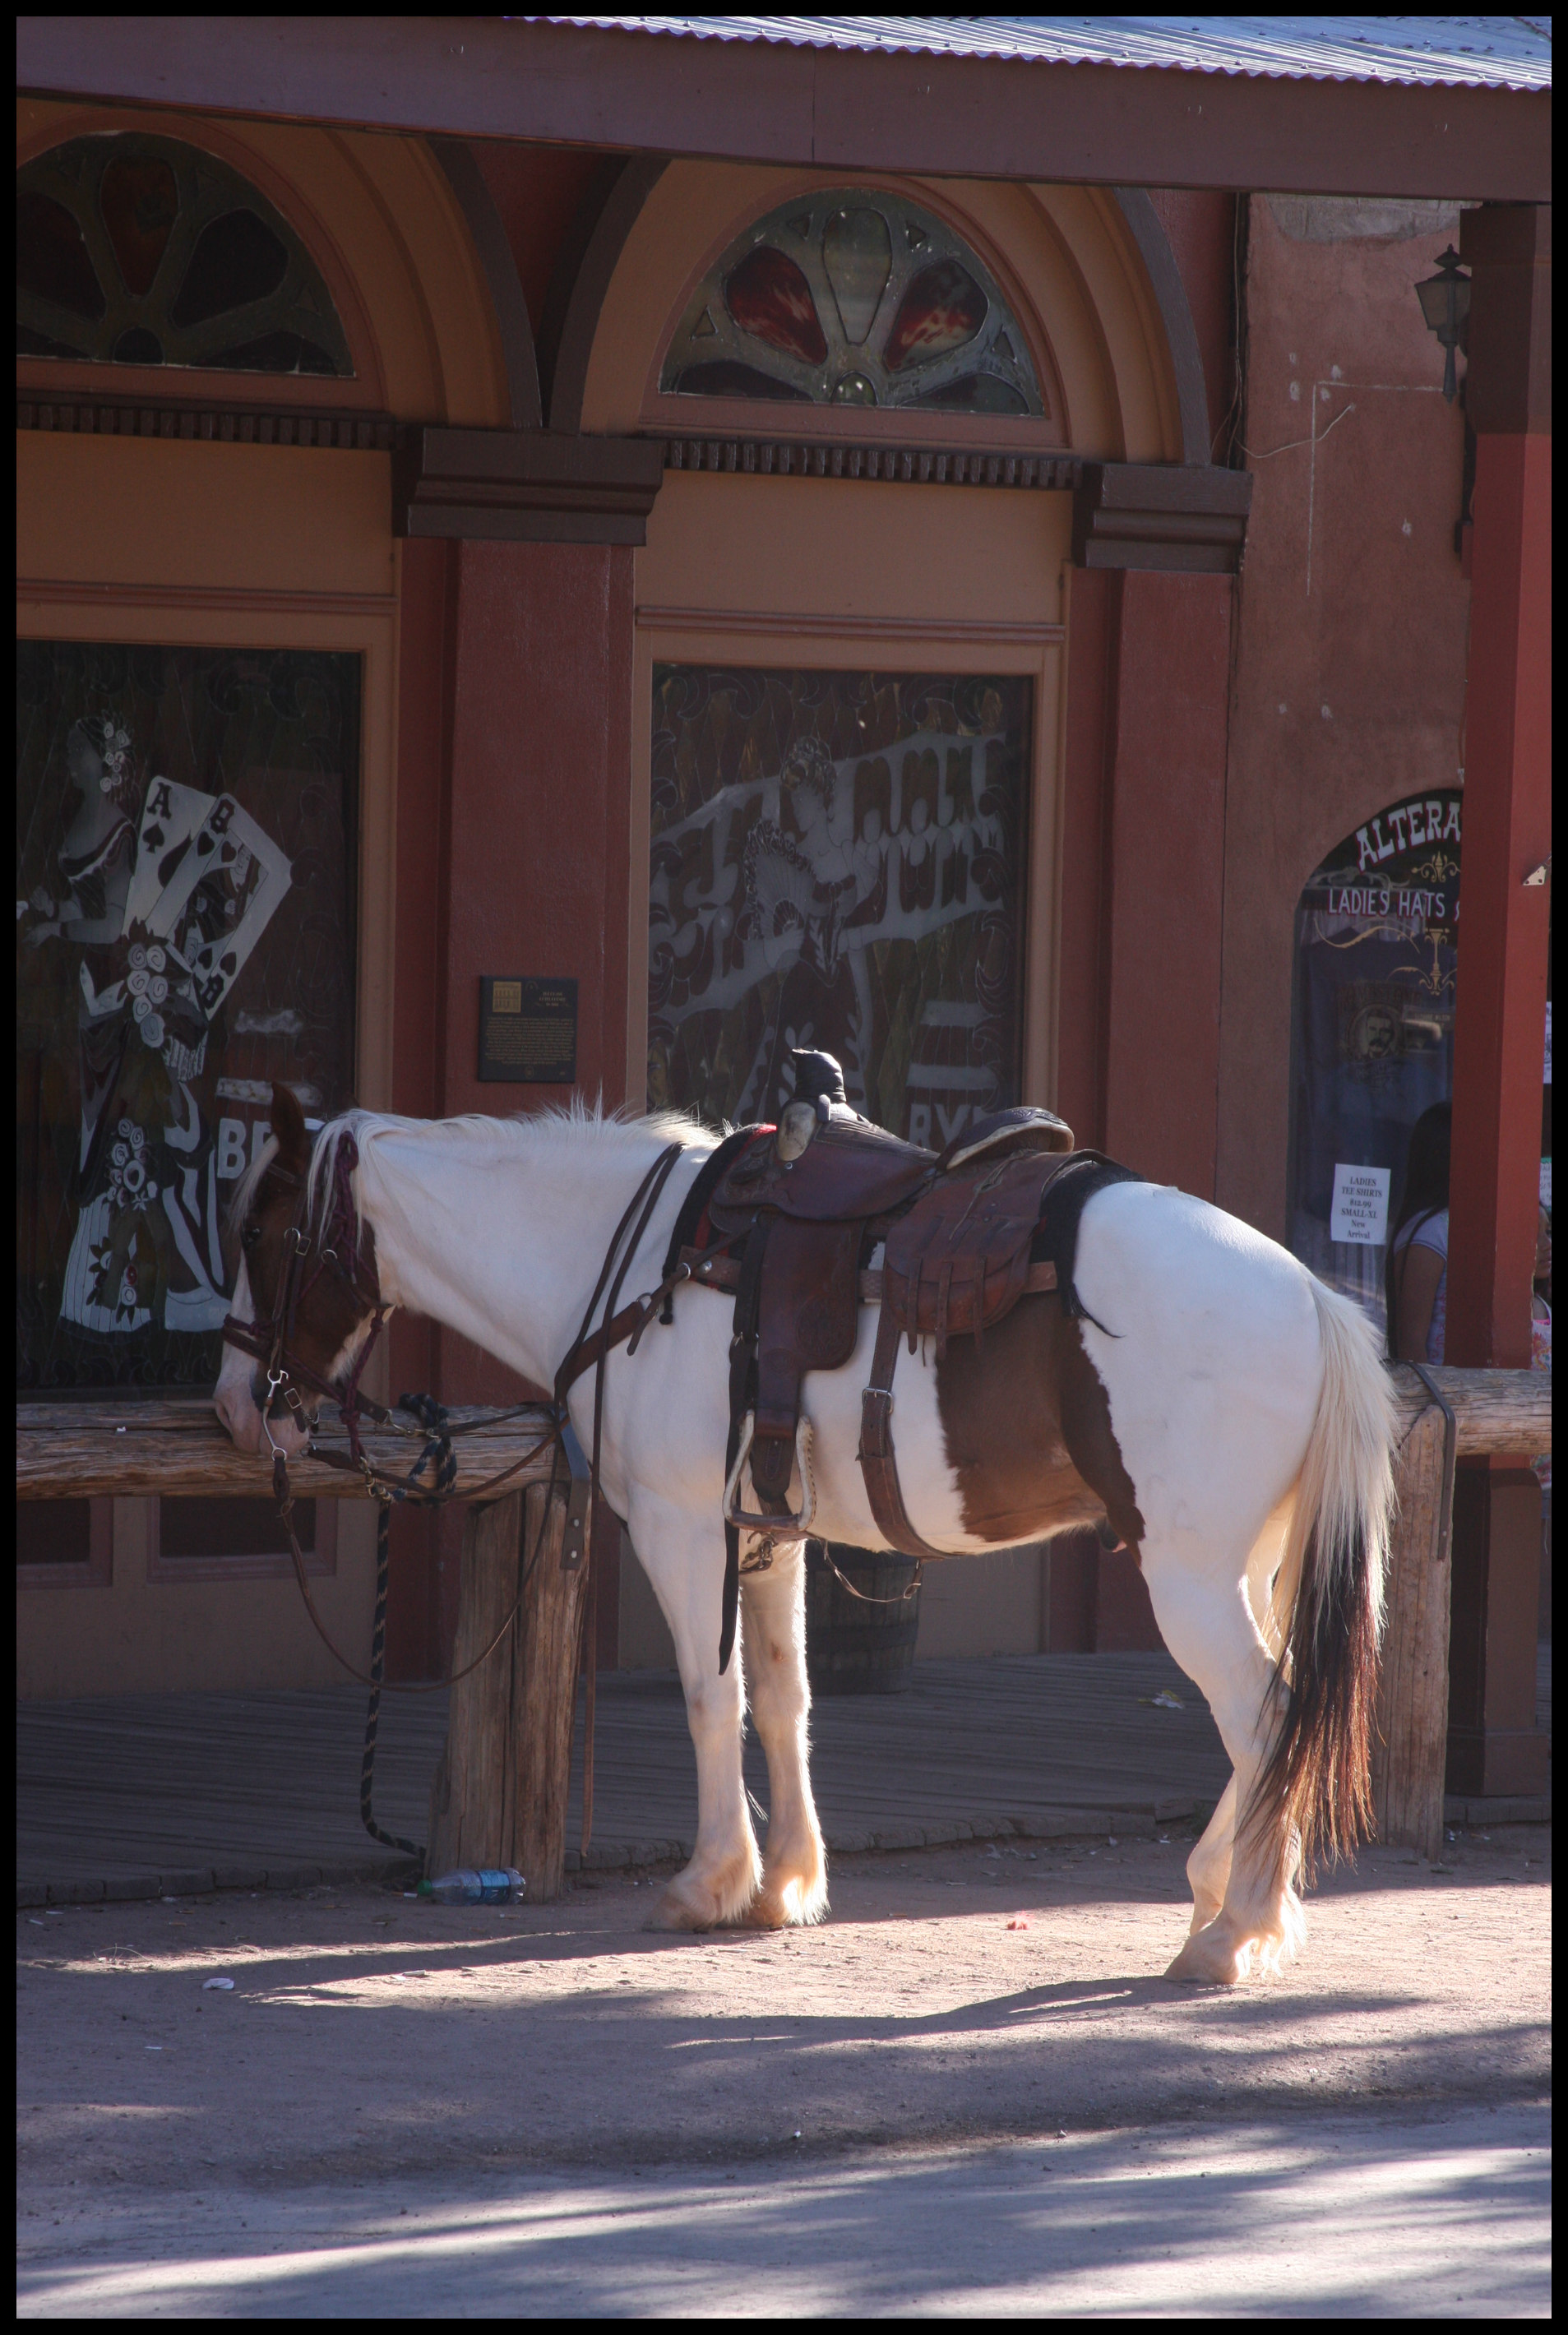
(1205, 1962)
(673, 1913)
(787, 1904)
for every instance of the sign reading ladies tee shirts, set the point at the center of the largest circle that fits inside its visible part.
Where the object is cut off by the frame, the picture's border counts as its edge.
(1361, 1205)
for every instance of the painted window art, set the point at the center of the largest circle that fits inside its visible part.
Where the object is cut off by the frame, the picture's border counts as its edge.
(838, 862)
(1376, 939)
(145, 251)
(854, 297)
(185, 925)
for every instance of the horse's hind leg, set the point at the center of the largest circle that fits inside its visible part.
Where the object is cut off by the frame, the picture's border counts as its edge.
(684, 1557)
(794, 1865)
(1209, 1865)
(1207, 1620)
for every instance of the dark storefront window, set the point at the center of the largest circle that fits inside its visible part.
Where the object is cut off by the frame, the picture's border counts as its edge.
(1373, 1041)
(186, 885)
(838, 862)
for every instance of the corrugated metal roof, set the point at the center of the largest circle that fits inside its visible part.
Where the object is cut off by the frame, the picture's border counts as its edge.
(1475, 52)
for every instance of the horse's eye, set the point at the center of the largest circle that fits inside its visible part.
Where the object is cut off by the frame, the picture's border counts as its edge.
(249, 1237)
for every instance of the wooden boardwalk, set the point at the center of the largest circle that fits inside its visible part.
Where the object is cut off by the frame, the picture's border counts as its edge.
(133, 1794)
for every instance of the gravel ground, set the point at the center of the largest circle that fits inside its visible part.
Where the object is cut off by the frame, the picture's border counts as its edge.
(522, 2088)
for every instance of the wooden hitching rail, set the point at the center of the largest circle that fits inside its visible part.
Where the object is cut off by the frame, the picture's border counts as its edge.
(97, 1450)
(94, 1451)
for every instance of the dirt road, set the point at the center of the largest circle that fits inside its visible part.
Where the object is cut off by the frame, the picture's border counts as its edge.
(461, 2069)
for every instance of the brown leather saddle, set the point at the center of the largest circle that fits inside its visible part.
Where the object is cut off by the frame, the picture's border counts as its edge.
(807, 1207)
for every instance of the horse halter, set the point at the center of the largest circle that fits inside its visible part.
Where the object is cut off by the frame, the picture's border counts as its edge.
(270, 1339)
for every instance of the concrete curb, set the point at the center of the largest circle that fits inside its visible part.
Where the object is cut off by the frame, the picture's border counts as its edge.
(202, 1880)
(1140, 1823)
(610, 1857)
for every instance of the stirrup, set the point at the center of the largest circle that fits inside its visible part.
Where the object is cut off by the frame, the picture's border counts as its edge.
(784, 1527)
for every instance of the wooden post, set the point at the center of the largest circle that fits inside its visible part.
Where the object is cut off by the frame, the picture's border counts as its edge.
(470, 1795)
(1412, 1716)
(544, 1699)
(499, 1793)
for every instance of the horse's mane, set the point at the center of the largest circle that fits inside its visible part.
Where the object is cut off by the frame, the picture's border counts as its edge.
(527, 1133)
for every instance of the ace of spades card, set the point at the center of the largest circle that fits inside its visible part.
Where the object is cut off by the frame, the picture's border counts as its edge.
(223, 894)
(170, 816)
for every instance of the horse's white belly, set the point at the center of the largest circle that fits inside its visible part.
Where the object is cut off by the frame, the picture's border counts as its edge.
(1213, 1365)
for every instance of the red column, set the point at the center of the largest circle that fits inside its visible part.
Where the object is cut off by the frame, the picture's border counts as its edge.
(514, 821)
(1494, 1746)
(428, 600)
(1142, 840)
(1165, 867)
(1500, 1021)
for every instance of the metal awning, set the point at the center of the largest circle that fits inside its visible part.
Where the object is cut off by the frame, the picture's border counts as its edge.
(1445, 52)
(1456, 107)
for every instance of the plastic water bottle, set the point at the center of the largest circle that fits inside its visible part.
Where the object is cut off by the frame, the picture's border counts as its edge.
(488, 1886)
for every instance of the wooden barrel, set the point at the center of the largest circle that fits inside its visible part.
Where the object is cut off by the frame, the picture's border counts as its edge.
(853, 1647)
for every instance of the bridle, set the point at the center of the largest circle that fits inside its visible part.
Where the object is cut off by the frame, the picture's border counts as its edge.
(271, 1341)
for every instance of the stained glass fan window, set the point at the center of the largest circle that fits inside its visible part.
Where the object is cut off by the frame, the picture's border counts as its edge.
(836, 863)
(853, 298)
(145, 251)
(185, 925)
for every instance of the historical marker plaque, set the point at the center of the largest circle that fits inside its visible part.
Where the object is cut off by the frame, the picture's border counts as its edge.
(528, 1031)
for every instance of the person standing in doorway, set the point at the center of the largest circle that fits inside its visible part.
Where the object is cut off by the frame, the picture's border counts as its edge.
(1416, 1270)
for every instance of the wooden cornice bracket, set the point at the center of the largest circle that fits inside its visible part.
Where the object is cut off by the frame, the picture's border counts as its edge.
(525, 486)
(1183, 517)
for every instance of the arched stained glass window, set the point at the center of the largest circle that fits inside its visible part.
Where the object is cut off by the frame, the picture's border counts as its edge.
(145, 251)
(853, 298)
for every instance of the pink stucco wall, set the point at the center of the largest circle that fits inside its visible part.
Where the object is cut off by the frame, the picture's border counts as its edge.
(1349, 673)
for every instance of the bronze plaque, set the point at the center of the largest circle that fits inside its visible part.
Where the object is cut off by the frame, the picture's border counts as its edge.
(528, 1031)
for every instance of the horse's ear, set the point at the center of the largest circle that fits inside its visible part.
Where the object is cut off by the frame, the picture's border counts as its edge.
(288, 1126)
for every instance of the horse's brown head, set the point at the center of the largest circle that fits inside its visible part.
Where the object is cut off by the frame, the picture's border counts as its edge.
(304, 1294)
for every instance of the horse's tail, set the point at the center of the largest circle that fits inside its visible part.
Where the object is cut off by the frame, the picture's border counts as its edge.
(1315, 1781)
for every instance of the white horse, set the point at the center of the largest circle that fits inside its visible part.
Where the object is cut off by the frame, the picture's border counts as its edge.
(1249, 1404)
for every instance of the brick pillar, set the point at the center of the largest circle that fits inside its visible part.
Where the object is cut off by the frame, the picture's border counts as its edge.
(1500, 1015)
(527, 855)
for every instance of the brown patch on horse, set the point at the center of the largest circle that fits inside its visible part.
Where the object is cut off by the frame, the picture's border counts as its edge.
(327, 1312)
(1028, 1435)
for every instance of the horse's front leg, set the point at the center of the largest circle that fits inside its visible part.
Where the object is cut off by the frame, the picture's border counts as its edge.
(684, 1557)
(795, 1868)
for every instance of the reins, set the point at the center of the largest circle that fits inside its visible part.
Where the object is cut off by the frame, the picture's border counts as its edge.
(271, 1343)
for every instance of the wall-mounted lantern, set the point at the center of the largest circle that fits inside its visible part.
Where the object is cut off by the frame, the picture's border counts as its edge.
(1446, 305)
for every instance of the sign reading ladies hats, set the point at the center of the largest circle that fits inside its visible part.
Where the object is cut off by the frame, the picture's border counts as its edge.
(1361, 1205)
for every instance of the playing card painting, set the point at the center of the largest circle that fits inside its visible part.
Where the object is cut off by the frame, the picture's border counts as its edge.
(185, 898)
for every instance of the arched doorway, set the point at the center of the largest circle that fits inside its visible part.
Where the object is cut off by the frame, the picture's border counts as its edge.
(1372, 1033)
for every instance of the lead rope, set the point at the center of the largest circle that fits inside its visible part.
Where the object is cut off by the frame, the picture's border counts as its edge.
(377, 1668)
(653, 1186)
(439, 1447)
